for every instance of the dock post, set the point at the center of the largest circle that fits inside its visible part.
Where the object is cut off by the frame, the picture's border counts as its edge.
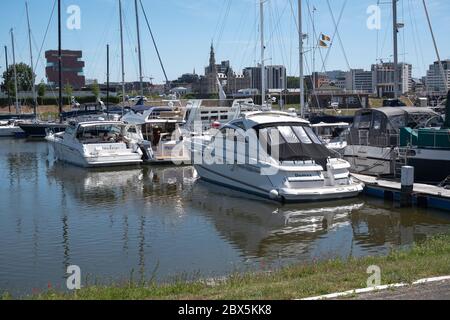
(407, 181)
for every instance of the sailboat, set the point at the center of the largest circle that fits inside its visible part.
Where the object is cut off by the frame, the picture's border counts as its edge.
(375, 136)
(36, 128)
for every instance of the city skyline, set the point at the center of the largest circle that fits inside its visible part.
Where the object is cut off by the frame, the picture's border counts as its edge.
(183, 40)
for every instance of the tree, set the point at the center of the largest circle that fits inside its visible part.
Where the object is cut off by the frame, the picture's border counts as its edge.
(41, 91)
(25, 78)
(95, 88)
(293, 82)
(68, 91)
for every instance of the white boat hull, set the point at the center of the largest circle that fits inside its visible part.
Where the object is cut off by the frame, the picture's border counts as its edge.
(246, 179)
(74, 156)
(10, 131)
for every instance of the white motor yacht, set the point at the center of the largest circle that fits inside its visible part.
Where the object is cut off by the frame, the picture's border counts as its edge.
(273, 155)
(160, 127)
(98, 144)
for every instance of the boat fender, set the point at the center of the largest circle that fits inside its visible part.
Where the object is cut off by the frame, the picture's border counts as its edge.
(330, 171)
(274, 194)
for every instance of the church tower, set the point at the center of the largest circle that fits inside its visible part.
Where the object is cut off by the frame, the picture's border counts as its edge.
(211, 86)
(211, 68)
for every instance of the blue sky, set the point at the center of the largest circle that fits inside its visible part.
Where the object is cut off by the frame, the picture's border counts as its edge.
(184, 30)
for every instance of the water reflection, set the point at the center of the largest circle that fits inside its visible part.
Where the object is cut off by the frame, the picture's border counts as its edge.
(266, 229)
(163, 219)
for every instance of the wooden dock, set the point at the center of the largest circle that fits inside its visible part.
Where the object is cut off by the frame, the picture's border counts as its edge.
(424, 195)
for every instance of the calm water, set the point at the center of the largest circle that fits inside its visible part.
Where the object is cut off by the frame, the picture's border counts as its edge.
(164, 222)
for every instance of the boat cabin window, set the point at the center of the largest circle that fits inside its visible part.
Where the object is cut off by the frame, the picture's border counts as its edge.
(289, 135)
(295, 143)
(397, 122)
(363, 121)
(312, 135)
(377, 121)
(100, 134)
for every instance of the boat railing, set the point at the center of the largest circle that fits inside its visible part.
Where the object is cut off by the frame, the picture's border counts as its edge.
(386, 139)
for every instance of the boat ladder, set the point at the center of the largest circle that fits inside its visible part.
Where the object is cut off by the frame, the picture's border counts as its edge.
(401, 159)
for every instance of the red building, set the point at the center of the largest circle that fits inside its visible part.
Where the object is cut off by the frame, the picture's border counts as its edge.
(72, 68)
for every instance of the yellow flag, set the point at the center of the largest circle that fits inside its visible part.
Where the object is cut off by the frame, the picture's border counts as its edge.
(325, 37)
(322, 44)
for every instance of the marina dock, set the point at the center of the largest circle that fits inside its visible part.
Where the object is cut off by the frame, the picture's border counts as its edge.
(423, 195)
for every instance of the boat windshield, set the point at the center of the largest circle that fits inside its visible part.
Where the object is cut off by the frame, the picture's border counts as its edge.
(107, 133)
(295, 143)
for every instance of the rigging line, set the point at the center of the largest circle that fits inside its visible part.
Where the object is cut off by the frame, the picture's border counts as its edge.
(247, 52)
(443, 74)
(334, 33)
(131, 41)
(277, 29)
(154, 43)
(219, 21)
(45, 34)
(403, 33)
(338, 34)
(315, 38)
(294, 21)
(378, 38)
(341, 44)
(239, 34)
(98, 62)
(416, 38)
(294, 16)
(227, 13)
(386, 35)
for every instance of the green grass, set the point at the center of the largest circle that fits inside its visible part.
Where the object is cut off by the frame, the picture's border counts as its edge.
(430, 258)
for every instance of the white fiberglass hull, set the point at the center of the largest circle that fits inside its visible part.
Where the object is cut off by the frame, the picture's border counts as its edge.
(77, 157)
(248, 179)
(10, 131)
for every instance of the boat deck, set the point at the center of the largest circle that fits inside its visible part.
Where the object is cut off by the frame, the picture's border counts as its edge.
(423, 195)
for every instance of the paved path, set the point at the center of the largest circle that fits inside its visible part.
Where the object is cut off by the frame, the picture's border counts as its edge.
(430, 291)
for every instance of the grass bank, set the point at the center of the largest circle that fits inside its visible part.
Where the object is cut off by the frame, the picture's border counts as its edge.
(429, 258)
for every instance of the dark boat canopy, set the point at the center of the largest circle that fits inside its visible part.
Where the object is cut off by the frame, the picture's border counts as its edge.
(295, 142)
(393, 117)
(381, 126)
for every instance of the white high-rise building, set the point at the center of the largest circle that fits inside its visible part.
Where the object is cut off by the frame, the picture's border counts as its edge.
(434, 81)
(276, 77)
(383, 78)
(360, 80)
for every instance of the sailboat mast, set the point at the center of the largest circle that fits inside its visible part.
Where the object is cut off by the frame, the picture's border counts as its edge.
(121, 52)
(15, 71)
(107, 79)
(7, 78)
(302, 82)
(441, 67)
(263, 68)
(395, 35)
(139, 49)
(315, 42)
(60, 102)
(33, 88)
